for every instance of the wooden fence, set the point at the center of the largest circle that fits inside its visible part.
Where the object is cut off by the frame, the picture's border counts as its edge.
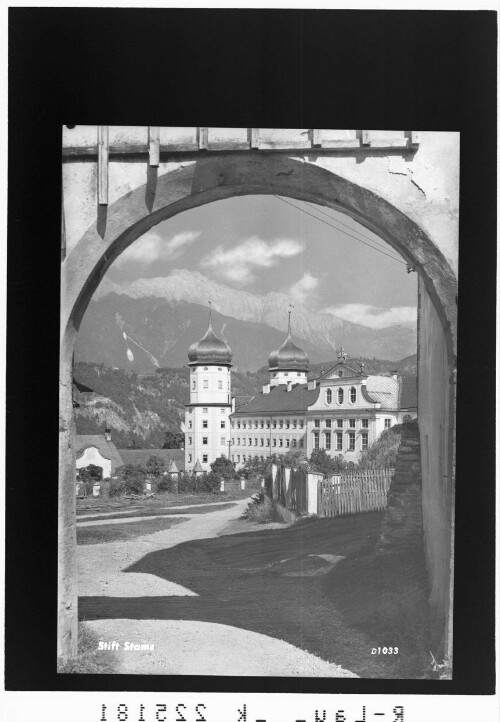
(354, 493)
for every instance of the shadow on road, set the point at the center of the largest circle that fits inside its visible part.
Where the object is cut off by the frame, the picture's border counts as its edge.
(283, 583)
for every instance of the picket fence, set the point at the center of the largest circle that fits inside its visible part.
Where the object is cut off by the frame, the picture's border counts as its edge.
(355, 492)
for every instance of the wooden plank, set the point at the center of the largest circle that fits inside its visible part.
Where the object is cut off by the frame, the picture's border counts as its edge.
(154, 146)
(63, 229)
(414, 138)
(316, 139)
(102, 164)
(202, 135)
(254, 138)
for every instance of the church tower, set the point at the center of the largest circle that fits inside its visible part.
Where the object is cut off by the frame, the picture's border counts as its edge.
(207, 414)
(289, 363)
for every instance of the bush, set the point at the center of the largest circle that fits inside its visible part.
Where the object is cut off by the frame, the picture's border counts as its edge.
(383, 452)
(116, 487)
(155, 466)
(261, 510)
(165, 484)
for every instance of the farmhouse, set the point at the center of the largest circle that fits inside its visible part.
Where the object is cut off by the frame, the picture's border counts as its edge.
(99, 450)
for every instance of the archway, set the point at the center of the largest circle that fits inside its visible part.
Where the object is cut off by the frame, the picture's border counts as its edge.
(203, 181)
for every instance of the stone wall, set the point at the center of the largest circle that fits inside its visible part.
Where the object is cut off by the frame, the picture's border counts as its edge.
(402, 527)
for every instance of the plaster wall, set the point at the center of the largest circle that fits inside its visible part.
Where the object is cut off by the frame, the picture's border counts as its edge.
(436, 425)
(91, 455)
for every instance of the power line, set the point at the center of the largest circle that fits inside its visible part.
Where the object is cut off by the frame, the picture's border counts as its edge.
(356, 238)
(346, 225)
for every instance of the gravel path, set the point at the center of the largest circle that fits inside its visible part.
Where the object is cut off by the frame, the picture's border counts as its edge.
(201, 648)
(180, 646)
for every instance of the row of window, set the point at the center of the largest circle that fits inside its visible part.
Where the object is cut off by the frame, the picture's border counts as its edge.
(352, 395)
(206, 386)
(204, 459)
(204, 424)
(237, 458)
(268, 423)
(205, 410)
(281, 442)
(351, 440)
(352, 423)
(204, 440)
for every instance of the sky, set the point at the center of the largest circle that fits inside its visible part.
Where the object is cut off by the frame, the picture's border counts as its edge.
(263, 243)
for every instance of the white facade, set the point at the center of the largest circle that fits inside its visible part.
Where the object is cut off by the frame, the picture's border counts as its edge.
(92, 455)
(351, 411)
(207, 414)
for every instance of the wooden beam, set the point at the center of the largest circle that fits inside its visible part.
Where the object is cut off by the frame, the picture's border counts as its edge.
(414, 138)
(202, 134)
(63, 229)
(154, 146)
(316, 140)
(254, 138)
(102, 164)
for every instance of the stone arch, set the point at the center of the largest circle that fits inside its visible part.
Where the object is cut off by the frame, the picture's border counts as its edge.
(203, 181)
(216, 178)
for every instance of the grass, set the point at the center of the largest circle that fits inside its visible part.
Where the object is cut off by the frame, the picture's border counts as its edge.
(274, 582)
(159, 512)
(84, 506)
(106, 533)
(261, 510)
(89, 659)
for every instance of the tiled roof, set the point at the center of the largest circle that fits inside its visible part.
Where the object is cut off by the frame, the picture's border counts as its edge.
(279, 400)
(106, 448)
(409, 398)
(384, 390)
(138, 457)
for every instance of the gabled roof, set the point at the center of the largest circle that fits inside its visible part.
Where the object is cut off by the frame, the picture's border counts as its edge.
(279, 400)
(139, 457)
(349, 372)
(106, 448)
(409, 397)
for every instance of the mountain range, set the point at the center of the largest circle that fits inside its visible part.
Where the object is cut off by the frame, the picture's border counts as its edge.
(151, 322)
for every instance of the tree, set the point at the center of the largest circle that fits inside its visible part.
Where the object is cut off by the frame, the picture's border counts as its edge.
(324, 464)
(90, 473)
(173, 440)
(223, 467)
(133, 478)
(155, 466)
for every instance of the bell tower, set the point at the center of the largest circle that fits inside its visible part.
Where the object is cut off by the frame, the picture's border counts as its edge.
(207, 414)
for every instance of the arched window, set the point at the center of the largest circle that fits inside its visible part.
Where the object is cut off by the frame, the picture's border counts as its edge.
(328, 396)
(352, 395)
(340, 396)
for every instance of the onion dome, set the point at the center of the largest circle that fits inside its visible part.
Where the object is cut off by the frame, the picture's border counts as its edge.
(210, 350)
(289, 357)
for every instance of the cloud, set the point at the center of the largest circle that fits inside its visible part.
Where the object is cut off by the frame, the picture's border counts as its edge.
(237, 263)
(373, 316)
(303, 290)
(151, 248)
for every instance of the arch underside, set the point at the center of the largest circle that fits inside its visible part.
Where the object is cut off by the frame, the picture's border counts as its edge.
(216, 178)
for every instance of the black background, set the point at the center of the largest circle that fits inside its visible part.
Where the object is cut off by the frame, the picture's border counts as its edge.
(433, 70)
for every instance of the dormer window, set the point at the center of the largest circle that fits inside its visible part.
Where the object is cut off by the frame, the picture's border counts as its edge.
(352, 395)
(340, 396)
(328, 396)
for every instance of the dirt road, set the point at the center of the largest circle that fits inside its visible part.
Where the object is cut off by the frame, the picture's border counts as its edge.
(183, 646)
